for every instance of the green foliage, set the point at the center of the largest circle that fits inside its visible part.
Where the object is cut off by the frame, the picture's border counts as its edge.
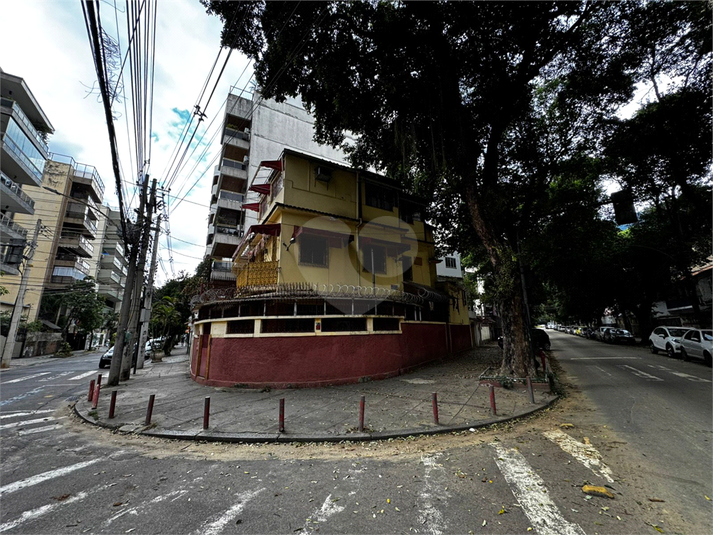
(65, 350)
(79, 305)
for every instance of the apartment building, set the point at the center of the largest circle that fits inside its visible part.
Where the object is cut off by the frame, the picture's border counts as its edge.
(335, 283)
(67, 203)
(23, 152)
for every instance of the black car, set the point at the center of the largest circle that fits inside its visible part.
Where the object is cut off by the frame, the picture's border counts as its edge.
(619, 336)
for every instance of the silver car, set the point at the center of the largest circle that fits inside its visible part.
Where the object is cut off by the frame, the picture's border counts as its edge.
(668, 339)
(697, 343)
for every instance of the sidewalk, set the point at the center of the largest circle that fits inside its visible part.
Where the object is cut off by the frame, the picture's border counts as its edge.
(396, 407)
(33, 361)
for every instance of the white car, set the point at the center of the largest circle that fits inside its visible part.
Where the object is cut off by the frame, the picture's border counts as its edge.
(667, 339)
(697, 343)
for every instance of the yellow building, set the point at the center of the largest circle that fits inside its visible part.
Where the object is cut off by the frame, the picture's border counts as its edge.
(339, 256)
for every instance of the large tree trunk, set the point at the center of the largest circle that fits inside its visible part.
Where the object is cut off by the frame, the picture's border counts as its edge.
(518, 359)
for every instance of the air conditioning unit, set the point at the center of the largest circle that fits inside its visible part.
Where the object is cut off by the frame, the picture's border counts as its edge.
(323, 174)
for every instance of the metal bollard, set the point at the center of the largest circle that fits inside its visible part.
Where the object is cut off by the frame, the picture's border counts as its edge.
(206, 412)
(362, 404)
(112, 404)
(149, 410)
(281, 426)
(434, 401)
(492, 400)
(91, 390)
(95, 398)
(530, 390)
(99, 379)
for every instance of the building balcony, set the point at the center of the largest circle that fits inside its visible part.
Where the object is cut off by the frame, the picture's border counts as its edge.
(10, 107)
(110, 277)
(77, 218)
(223, 240)
(76, 264)
(235, 169)
(257, 274)
(11, 257)
(222, 271)
(230, 200)
(78, 245)
(17, 164)
(112, 262)
(13, 198)
(109, 293)
(9, 230)
(239, 107)
(87, 176)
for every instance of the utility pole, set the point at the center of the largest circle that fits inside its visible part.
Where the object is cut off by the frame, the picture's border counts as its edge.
(19, 301)
(121, 332)
(136, 297)
(148, 297)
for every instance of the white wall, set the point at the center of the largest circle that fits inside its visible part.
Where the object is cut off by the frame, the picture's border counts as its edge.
(443, 271)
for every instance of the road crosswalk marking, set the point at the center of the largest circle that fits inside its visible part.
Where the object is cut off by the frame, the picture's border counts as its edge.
(30, 422)
(24, 413)
(691, 377)
(217, 526)
(34, 375)
(530, 491)
(82, 376)
(36, 430)
(45, 476)
(584, 453)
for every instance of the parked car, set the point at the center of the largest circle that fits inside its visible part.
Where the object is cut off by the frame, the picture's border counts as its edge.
(620, 336)
(601, 332)
(105, 359)
(668, 339)
(697, 343)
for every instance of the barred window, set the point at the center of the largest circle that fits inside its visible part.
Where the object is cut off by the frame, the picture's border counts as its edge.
(313, 250)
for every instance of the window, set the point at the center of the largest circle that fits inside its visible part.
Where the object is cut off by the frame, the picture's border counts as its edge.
(450, 262)
(313, 250)
(379, 197)
(409, 212)
(374, 259)
(408, 268)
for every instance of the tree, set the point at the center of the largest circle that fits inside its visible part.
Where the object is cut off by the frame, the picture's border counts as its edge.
(167, 319)
(78, 306)
(473, 102)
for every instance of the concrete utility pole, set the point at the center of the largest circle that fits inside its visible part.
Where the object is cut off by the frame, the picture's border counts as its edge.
(139, 281)
(19, 301)
(148, 297)
(121, 332)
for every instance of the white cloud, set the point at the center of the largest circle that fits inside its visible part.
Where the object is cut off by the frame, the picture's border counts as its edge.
(46, 43)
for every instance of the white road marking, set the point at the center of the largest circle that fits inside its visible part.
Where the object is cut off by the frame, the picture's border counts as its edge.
(640, 373)
(603, 370)
(22, 396)
(691, 377)
(217, 526)
(17, 414)
(659, 367)
(36, 430)
(605, 358)
(40, 478)
(431, 518)
(25, 378)
(30, 422)
(47, 379)
(584, 453)
(78, 377)
(135, 510)
(41, 511)
(328, 509)
(530, 491)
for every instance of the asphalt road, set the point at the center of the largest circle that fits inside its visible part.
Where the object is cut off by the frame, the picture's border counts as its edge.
(661, 407)
(59, 475)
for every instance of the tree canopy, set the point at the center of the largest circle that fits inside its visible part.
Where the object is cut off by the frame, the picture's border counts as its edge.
(488, 107)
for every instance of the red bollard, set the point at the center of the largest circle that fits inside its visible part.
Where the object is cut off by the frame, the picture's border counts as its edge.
(530, 391)
(112, 404)
(206, 412)
(95, 398)
(99, 380)
(281, 426)
(492, 400)
(434, 400)
(149, 410)
(91, 390)
(362, 403)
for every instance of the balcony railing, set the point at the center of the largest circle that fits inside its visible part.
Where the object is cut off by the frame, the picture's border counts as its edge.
(9, 103)
(12, 226)
(14, 188)
(22, 157)
(80, 170)
(75, 242)
(241, 166)
(236, 134)
(257, 274)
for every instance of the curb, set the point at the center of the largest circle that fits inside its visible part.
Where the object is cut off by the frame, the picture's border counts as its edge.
(276, 437)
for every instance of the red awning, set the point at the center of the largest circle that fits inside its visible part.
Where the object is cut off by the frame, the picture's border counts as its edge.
(272, 229)
(254, 206)
(262, 189)
(272, 164)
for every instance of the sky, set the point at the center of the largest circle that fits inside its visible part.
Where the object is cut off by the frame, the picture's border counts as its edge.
(46, 43)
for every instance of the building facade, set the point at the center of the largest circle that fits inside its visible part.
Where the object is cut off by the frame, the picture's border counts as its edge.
(335, 283)
(23, 151)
